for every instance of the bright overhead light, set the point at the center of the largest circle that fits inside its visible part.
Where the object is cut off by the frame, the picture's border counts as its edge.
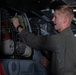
(74, 10)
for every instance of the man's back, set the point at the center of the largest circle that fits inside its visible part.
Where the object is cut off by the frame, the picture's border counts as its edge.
(64, 62)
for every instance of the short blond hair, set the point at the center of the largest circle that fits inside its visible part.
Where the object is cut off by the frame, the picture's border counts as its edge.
(66, 9)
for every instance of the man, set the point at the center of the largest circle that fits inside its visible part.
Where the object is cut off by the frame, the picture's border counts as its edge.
(63, 44)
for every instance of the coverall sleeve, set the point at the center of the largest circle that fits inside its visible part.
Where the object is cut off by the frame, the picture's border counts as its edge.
(45, 42)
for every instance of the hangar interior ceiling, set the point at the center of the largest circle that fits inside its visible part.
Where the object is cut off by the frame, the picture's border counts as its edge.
(35, 5)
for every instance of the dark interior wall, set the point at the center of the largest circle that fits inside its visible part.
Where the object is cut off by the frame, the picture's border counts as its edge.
(0, 29)
(27, 5)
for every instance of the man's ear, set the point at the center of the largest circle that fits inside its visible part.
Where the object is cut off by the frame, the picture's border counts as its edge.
(65, 20)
